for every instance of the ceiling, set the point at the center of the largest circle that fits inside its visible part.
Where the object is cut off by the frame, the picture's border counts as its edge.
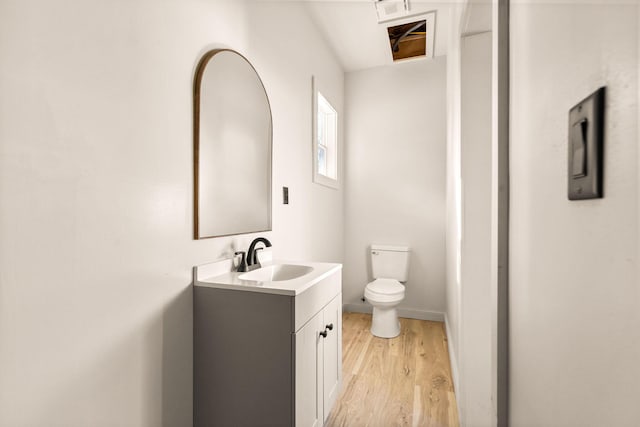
(351, 28)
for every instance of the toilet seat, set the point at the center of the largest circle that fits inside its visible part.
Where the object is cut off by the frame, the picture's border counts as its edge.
(384, 290)
(386, 286)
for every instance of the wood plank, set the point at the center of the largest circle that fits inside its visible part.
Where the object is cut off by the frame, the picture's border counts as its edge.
(403, 381)
(356, 339)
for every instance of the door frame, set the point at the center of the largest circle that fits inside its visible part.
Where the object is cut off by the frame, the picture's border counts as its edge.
(500, 216)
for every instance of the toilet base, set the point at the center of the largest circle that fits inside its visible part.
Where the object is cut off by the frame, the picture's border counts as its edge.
(385, 323)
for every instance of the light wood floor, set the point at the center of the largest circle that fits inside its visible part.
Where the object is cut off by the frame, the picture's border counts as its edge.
(403, 381)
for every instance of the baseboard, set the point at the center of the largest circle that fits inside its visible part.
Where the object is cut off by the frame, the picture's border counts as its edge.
(453, 361)
(408, 313)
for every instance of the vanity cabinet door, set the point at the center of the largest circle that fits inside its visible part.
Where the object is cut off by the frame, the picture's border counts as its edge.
(308, 373)
(332, 354)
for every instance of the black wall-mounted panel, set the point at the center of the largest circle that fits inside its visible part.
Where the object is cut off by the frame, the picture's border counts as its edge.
(586, 147)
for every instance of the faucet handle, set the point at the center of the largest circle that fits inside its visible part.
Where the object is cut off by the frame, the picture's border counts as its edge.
(255, 256)
(242, 267)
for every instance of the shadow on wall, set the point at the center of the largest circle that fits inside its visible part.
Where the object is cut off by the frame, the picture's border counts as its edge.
(177, 360)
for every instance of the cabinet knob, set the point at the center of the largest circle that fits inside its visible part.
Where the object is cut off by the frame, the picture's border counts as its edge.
(323, 334)
(330, 326)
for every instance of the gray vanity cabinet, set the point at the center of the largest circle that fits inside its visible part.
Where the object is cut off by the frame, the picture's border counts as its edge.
(263, 359)
(318, 365)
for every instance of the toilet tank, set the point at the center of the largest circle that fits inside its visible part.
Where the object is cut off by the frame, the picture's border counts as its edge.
(390, 262)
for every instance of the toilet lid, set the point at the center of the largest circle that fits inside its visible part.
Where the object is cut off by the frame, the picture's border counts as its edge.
(386, 286)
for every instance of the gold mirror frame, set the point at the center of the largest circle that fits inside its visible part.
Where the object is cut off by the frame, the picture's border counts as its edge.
(237, 181)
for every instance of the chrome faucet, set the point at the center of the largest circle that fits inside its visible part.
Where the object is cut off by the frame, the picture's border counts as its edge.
(252, 253)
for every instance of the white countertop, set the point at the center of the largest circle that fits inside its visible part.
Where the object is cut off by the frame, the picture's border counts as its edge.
(219, 275)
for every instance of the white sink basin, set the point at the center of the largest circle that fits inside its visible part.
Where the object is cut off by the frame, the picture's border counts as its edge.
(278, 277)
(277, 273)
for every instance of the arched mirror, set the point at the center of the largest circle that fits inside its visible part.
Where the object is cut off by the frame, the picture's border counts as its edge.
(232, 147)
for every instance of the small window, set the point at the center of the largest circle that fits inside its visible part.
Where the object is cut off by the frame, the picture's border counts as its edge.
(325, 141)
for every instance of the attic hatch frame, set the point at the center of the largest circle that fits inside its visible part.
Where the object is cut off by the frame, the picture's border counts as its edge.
(430, 21)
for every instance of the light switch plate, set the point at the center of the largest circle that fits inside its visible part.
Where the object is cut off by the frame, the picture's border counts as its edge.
(586, 145)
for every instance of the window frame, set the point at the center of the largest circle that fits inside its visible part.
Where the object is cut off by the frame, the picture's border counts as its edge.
(330, 152)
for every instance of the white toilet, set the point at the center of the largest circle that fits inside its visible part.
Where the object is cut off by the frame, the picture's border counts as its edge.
(390, 266)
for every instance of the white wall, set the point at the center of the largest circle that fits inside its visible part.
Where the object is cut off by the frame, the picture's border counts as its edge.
(453, 190)
(469, 207)
(96, 195)
(395, 177)
(474, 355)
(574, 290)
